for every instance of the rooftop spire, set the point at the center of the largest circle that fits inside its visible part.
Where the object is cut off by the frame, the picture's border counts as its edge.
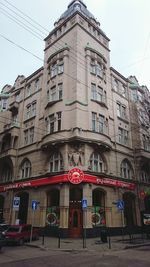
(77, 5)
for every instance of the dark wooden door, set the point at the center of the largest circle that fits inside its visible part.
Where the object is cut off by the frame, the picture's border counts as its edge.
(75, 221)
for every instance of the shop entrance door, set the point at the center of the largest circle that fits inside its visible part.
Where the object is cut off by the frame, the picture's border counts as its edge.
(75, 220)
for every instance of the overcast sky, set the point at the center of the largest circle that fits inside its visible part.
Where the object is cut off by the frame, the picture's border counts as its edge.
(125, 22)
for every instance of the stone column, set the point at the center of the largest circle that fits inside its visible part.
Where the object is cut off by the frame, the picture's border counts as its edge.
(64, 206)
(87, 194)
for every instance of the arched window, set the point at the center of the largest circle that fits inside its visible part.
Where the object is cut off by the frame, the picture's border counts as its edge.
(126, 170)
(145, 173)
(26, 169)
(56, 162)
(144, 177)
(96, 162)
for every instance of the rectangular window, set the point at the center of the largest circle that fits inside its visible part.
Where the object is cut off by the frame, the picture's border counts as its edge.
(140, 96)
(123, 91)
(59, 121)
(53, 94)
(101, 124)
(30, 111)
(94, 115)
(52, 123)
(99, 70)
(93, 91)
(29, 136)
(37, 85)
(60, 68)
(53, 70)
(4, 104)
(121, 111)
(60, 91)
(26, 137)
(33, 107)
(123, 136)
(28, 90)
(99, 94)
(115, 85)
(93, 68)
(17, 97)
(146, 142)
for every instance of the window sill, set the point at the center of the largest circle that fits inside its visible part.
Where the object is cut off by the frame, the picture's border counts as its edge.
(26, 120)
(101, 103)
(51, 103)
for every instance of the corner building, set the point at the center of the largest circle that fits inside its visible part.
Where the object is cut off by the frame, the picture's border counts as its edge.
(66, 137)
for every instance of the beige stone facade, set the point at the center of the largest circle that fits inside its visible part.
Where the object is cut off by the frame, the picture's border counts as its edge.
(75, 112)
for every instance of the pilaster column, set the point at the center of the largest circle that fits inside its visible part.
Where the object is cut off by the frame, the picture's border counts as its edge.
(64, 206)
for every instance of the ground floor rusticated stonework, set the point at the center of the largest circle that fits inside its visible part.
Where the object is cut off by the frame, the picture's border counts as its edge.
(57, 203)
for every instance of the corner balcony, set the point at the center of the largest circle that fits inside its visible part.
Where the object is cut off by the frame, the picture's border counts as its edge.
(12, 128)
(10, 152)
(140, 152)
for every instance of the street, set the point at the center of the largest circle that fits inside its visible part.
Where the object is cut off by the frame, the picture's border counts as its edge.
(30, 256)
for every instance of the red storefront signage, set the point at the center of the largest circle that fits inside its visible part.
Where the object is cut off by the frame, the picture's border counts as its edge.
(73, 177)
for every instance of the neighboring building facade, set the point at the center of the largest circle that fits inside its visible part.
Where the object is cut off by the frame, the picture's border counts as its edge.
(68, 135)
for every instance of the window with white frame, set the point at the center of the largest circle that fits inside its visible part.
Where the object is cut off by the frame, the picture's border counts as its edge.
(126, 170)
(28, 90)
(56, 68)
(58, 118)
(96, 163)
(115, 84)
(97, 93)
(29, 136)
(96, 68)
(55, 93)
(60, 68)
(56, 162)
(26, 169)
(30, 110)
(121, 111)
(99, 123)
(123, 136)
(37, 84)
(53, 122)
(123, 90)
(53, 70)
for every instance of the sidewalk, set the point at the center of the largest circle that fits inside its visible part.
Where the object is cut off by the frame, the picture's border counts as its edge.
(93, 244)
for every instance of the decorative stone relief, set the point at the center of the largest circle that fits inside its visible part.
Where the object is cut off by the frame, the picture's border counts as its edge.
(76, 155)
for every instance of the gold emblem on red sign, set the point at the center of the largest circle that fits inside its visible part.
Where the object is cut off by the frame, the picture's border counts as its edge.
(75, 176)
